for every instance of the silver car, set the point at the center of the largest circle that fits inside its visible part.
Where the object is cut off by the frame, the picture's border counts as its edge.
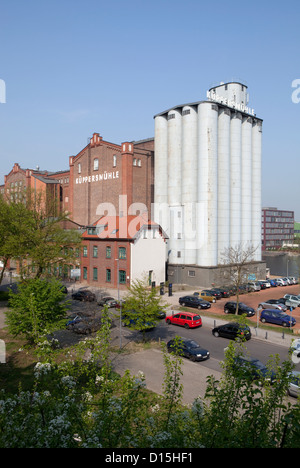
(294, 384)
(271, 305)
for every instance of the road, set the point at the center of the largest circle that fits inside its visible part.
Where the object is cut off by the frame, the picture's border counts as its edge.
(150, 362)
(259, 349)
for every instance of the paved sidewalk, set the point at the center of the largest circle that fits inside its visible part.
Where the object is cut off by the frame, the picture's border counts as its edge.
(150, 362)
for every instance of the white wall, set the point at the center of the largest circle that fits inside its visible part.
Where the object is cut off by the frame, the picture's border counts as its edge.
(148, 254)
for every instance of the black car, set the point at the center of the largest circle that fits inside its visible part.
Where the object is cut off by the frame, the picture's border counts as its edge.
(230, 308)
(262, 285)
(189, 349)
(109, 301)
(84, 325)
(213, 292)
(194, 301)
(256, 368)
(86, 296)
(224, 292)
(232, 331)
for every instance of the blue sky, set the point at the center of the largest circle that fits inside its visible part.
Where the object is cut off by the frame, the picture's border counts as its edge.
(73, 67)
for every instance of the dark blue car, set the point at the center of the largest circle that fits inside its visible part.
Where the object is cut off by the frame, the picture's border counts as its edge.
(278, 317)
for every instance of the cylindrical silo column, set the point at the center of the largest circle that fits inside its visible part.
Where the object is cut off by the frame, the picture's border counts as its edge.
(207, 184)
(246, 236)
(223, 182)
(174, 184)
(189, 182)
(256, 187)
(235, 179)
(160, 213)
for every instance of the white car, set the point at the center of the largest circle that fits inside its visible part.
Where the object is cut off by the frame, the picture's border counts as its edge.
(281, 282)
(294, 384)
(293, 279)
(267, 284)
(292, 300)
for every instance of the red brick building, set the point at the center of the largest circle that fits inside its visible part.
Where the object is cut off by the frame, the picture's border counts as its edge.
(103, 179)
(104, 171)
(118, 250)
(101, 173)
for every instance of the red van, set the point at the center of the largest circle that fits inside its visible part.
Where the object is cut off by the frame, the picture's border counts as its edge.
(185, 319)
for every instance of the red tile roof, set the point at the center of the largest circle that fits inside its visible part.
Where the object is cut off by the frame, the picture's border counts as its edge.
(116, 227)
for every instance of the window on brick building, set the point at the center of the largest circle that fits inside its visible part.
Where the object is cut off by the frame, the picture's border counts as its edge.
(79, 168)
(95, 251)
(85, 273)
(96, 164)
(108, 252)
(122, 276)
(95, 274)
(108, 275)
(122, 253)
(85, 251)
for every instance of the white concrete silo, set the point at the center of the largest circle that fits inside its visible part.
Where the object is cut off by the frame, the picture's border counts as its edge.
(235, 178)
(189, 181)
(174, 185)
(246, 175)
(207, 206)
(160, 213)
(256, 186)
(223, 182)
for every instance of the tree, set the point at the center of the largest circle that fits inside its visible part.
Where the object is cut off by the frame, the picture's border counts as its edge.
(32, 235)
(237, 260)
(13, 219)
(142, 306)
(36, 308)
(45, 227)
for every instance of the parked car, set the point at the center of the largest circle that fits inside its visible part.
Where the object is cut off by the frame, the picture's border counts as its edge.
(232, 330)
(281, 282)
(224, 292)
(268, 304)
(294, 384)
(256, 368)
(273, 283)
(264, 284)
(194, 301)
(293, 279)
(84, 295)
(277, 317)
(129, 320)
(185, 319)
(84, 325)
(292, 300)
(213, 292)
(287, 280)
(254, 286)
(230, 308)
(189, 349)
(206, 297)
(108, 301)
(280, 301)
(295, 348)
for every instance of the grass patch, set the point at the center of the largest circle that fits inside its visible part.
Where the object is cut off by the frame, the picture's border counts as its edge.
(17, 371)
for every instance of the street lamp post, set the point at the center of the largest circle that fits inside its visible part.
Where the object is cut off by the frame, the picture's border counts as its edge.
(118, 273)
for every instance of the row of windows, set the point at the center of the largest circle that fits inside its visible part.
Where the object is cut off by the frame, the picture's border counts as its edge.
(136, 162)
(122, 252)
(122, 275)
(280, 213)
(273, 219)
